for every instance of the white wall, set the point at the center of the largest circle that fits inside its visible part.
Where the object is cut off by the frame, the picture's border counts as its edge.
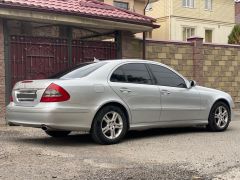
(220, 31)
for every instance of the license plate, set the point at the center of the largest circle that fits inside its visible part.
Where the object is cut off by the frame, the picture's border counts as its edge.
(32, 96)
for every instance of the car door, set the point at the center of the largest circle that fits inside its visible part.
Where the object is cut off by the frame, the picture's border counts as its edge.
(133, 83)
(178, 102)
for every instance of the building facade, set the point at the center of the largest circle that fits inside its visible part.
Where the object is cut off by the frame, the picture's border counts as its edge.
(181, 19)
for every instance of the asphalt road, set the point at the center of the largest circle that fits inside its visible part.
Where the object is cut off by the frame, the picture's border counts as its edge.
(178, 153)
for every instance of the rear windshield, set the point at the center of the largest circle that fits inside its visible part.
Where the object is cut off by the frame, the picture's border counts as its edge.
(63, 73)
(82, 71)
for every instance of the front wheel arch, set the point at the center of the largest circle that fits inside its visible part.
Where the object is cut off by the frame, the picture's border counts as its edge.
(211, 120)
(220, 100)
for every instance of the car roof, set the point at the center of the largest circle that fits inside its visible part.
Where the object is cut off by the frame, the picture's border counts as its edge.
(119, 61)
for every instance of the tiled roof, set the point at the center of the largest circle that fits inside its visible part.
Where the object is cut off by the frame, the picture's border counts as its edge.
(88, 8)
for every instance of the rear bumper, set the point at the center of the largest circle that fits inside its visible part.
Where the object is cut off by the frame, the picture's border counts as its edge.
(59, 118)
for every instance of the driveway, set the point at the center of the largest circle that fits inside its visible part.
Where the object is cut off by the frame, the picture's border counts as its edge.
(178, 153)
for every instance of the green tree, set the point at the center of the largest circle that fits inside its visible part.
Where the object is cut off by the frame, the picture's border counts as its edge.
(234, 37)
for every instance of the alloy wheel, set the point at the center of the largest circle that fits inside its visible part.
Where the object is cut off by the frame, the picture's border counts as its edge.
(112, 125)
(221, 116)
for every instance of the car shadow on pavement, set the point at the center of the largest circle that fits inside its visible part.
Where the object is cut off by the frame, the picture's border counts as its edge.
(71, 140)
(150, 133)
(78, 138)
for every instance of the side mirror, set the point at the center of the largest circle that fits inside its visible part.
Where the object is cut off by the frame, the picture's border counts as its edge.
(193, 83)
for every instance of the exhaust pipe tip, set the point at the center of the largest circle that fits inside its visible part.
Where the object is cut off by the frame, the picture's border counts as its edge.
(45, 128)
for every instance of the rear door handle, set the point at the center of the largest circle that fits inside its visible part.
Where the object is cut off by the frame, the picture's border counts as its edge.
(125, 90)
(165, 92)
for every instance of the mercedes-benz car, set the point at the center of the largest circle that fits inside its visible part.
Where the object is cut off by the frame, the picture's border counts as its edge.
(109, 98)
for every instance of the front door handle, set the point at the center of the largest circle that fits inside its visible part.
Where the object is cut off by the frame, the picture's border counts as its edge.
(125, 90)
(165, 92)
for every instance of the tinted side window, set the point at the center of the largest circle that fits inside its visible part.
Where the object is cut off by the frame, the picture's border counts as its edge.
(118, 76)
(166, 77)
(136, 73)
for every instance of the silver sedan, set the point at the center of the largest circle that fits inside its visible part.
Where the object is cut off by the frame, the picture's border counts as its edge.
(109, 98)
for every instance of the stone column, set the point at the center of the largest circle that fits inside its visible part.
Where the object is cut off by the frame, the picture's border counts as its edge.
(118, 41)
(2, 76)
(131, 47)
(198, 59)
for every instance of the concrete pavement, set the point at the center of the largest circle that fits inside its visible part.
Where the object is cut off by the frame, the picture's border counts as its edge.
(178, 153)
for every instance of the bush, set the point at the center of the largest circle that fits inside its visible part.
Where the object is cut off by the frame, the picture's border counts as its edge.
(234, 37)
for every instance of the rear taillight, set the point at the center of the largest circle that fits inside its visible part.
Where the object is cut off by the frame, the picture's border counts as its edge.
(55, 93)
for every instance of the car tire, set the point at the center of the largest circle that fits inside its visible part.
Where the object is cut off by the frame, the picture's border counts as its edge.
(109, 125)
(57, 134)
(219, 117)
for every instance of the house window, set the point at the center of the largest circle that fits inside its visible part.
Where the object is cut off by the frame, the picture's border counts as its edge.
(188, 3)
(122, 5)
(208, 5)
(208, 36)
(188, 32)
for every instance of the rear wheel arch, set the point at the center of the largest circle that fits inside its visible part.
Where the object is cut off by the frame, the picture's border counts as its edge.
(117, 104)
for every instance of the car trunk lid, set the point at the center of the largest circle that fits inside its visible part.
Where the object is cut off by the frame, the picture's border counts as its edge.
(29, 93)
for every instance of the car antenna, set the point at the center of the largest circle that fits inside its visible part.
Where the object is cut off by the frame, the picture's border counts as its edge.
(96, 60)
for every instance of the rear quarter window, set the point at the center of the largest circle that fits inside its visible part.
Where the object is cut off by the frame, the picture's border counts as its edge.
(118, 76)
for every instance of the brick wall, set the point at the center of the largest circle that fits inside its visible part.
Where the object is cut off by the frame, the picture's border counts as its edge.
(178, 55)
(211, 65)
(221, 68)
(2, 76)
(131, 47)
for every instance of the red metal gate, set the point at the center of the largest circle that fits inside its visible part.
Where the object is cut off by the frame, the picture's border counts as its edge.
(39, 58)
(85, 51)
